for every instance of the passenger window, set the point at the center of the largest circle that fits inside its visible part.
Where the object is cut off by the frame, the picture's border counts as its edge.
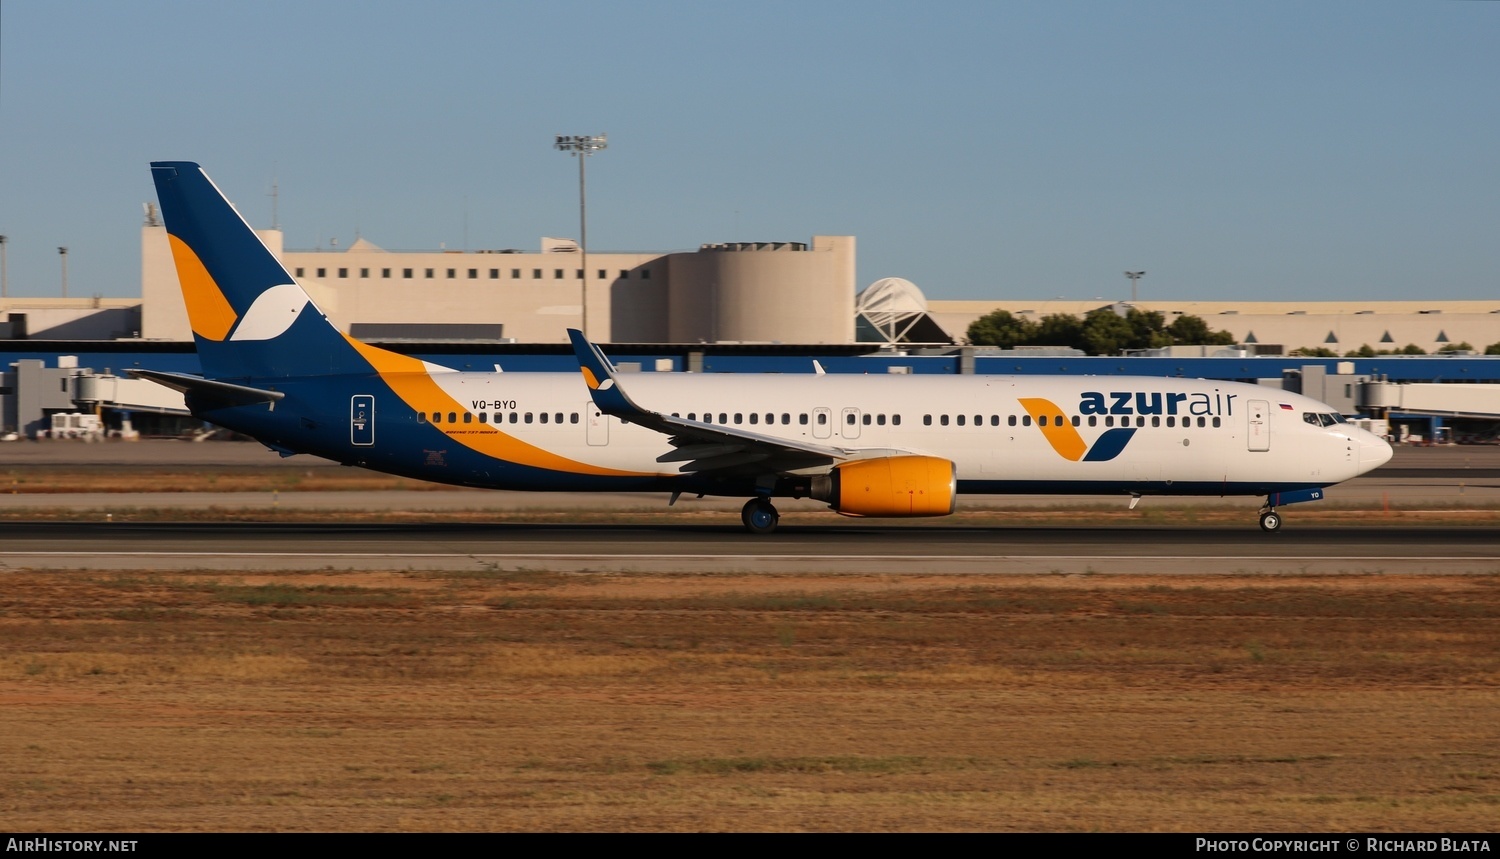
(512, 417)
(542, 417)
(1093, 420)
(453, 417)
(1171, 421)
(1041, 420)
(1109, 420)
(1216, 421)
(880, 420)
(994, 420)
(468, 417)
(1140, 420)
(822, 419)
(573, 418)
(723, 417)
(943, 419)
(927, 420)
(484, 417)
(786, 419)
(895, 420)
(849, 419)
(1077, 420)
(1200, 422)
(1011, 420)
(1155, 421)
(754, 418)
(867, 418)
(770, 418)
(739, 417)
(421, 417)
(802, 419)
(960, 420)
(528, 417)
(558, 417)
(1025, 420)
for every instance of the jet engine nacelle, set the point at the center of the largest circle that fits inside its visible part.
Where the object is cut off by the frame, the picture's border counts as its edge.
(890, 486)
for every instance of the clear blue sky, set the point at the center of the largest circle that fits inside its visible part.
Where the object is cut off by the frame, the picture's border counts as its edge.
(987, 149)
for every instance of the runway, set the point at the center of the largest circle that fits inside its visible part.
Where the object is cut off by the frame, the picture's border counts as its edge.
(860, 549)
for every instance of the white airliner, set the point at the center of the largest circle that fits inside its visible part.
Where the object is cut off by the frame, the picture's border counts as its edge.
(276, 369)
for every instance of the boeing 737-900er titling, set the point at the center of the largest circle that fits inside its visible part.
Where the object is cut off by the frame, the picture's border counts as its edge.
(276, 369)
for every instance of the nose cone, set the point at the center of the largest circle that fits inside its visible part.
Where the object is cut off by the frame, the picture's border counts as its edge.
(1374, 451)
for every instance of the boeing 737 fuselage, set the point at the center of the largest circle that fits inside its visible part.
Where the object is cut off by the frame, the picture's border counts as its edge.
(894, 446)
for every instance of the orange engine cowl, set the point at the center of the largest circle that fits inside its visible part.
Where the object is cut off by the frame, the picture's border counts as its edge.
(890, 486)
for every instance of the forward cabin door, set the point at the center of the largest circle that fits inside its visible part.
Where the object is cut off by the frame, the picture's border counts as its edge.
(598, 425)
(1259, 436)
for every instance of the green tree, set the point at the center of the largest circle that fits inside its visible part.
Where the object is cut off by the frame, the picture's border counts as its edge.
(1315, 352)
(1002, 329)
(1059, 329)
(1410, 349)
(1106, 333)
(1362, 352)
(1189, 330)
(1456, 347)
(1492, 349)
(1147, 329)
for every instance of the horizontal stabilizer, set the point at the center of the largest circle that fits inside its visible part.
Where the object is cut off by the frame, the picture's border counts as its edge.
(207, 389)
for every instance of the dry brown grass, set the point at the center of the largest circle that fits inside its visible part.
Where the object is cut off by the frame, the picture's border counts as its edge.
(536, 701)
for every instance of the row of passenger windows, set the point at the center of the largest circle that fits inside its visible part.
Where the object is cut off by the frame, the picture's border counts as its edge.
(1076, 420)
(850, 419)
(473, 273)
(770, 418)
(500, 417)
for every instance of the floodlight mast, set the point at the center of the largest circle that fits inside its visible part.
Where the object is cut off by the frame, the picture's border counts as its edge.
(1134, 276)
(581, 146)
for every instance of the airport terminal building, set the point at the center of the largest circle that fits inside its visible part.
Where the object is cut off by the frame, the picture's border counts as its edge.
(785, 292)
(731, 307)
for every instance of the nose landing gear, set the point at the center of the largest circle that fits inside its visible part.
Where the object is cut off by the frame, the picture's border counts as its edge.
(1270, 521)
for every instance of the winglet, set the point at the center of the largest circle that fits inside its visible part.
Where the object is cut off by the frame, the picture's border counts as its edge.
(599, 375)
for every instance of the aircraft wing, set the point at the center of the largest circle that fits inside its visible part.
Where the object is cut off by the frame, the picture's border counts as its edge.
(704, 446)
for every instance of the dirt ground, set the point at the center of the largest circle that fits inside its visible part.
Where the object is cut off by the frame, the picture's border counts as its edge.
(533, 701)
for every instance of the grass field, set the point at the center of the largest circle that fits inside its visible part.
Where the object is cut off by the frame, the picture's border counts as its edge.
(535, 701)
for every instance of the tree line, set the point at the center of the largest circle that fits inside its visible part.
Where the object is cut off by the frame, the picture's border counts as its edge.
(1104, 332)
(1099, 332)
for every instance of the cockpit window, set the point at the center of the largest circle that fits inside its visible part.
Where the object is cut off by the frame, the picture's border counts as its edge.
(1312, 418)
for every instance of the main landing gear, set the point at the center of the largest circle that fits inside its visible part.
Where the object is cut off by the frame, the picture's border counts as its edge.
(759, 516)
(1270, 520)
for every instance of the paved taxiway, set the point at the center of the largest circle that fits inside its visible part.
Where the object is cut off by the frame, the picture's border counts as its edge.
(903, 549)
(1416, 478)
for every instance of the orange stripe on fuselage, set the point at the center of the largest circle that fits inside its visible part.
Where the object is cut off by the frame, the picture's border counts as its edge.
(409, 378)
(1058, 432)
(209, 312)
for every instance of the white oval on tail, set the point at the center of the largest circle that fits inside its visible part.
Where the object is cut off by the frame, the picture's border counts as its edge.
(272, 313)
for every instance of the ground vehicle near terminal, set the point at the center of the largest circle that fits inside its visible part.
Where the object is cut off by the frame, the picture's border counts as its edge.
(275, 368)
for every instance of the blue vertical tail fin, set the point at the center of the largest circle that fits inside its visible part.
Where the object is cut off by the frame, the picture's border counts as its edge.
(249, 317)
